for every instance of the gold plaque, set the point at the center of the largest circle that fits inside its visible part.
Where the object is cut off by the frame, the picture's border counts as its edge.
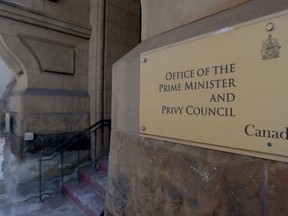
(226, 90)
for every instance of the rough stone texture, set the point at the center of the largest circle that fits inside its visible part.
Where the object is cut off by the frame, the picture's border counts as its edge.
(163, 15)
(190, 181)
(172, 179)
(277, 189)
(86, 197)
(151, 177)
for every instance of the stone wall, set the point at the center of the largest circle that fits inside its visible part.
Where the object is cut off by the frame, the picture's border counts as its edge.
(152, 177)
(115, 31)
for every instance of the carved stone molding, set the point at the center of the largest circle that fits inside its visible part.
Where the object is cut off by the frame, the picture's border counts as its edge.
(51, 56)
(20, 13)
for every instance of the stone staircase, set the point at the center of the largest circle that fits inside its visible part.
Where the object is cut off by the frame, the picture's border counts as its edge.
(89, 194)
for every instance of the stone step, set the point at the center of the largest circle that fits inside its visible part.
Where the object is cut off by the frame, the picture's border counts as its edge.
(89, 195)
(103, 165)
(86, 198)
(96, 179)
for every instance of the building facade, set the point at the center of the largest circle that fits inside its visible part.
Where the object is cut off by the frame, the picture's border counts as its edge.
(77, 62)
(61, 55)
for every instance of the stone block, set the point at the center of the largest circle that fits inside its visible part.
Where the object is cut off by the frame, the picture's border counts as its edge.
(79, 43)
(54, 101)
(94, 13)
(58, 122)
(115, 49)
(95, 106)
(277, 188)
(45, 123)
(10, 27)
(123, 17)
(92, 49)
(94, 31)
(81, 62)
(17, 48)
(172, 179)
(51, 56)
(125, 96)
(122, 34)
(38, 80)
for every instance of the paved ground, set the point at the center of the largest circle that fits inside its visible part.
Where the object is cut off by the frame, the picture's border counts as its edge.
(55, 206)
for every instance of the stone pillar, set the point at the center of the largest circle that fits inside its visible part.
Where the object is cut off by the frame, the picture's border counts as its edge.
(47, 51)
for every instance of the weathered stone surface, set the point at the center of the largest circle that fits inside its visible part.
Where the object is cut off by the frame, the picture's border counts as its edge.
(276, 189)
(59, 122)
(151, 177)
(21, 176)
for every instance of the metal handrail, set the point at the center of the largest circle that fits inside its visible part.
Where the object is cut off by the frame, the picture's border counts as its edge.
(59, 150)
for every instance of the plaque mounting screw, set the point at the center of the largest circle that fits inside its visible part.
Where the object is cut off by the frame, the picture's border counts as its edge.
(144, 60)
(142, 128)
(269, 26)
(269, 144)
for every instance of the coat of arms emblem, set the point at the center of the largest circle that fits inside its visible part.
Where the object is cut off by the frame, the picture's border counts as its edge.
(270, 48)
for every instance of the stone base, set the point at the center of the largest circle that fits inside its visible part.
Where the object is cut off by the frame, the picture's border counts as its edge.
(152, 177)
(21, 176)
